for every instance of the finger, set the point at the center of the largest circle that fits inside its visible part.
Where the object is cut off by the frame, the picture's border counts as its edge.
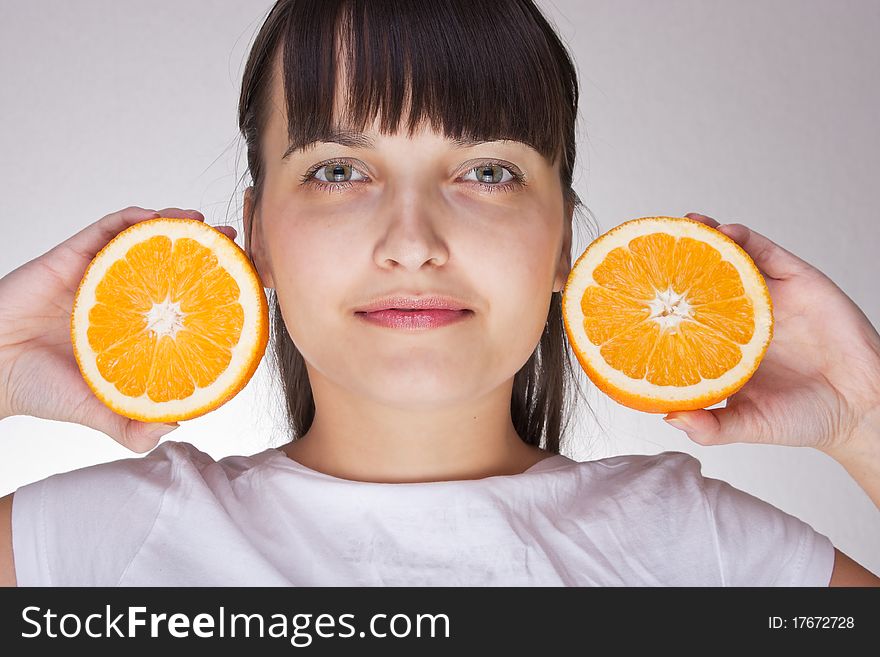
(135, 435)
(229, 231)
(700, 426)
(718, 426)
(709, 221)
(770, 258)
(95, 236)
(141, 437)
(177, 213)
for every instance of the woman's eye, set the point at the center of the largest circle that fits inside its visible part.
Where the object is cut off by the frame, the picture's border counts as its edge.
(491, 174)
(332, 176)
(336, 172)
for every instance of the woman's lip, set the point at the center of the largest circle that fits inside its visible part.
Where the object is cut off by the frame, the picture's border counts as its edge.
(414, 319)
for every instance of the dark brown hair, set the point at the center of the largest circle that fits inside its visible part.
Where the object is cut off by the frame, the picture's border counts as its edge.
(485, 74)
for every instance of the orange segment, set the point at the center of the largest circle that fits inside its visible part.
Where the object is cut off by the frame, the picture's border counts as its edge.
(150, 260)
(221, 325)
(217, 288)
(170, 378)
(714, 354)
(189, 263)
(116, 288)
(732, 318)
(629, 351)
(126, 363)
(666, 313)
(208, 360)
(620, 272)
(109, 325)
(609, 313)
(721, 282)
(176, 322)
(674, 361)
(654, 254)
(692, 261)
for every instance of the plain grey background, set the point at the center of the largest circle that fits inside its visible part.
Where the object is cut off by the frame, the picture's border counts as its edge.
(760, 112)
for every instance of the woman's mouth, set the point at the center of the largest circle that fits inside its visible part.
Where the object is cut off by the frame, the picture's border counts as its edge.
(415, 319)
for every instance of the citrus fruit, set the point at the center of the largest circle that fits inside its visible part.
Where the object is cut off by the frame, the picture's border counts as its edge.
(169, 321)
(667, 314)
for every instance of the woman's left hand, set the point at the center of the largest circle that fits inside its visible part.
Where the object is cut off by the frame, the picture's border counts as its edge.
(819, 383)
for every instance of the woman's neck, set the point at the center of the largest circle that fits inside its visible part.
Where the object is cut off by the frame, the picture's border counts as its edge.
(353, 462)
(380, 440)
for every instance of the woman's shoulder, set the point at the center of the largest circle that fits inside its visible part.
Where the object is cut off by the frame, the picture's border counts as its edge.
(151, 473)
(180, 452)
(60, 523)
(673, 477)
(679, 465)
(182, 460)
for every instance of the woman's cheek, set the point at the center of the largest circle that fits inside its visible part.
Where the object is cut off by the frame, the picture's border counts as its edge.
(490, 210)
(301, 261)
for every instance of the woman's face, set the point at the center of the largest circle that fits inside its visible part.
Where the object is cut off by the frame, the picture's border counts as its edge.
(409, 216)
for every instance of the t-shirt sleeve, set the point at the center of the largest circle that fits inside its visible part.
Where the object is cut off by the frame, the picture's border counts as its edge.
(759, 544)
(83, 527)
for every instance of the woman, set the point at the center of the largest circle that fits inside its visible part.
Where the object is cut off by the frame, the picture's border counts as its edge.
(393, 158)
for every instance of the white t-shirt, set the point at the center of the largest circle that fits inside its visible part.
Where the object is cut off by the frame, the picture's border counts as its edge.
(177, 517)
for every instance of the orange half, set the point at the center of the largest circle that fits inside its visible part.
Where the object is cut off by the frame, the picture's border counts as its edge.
(169, 321)
(667, 314)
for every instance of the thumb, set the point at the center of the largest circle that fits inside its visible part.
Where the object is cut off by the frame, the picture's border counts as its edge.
(132, 434)
(138, 436)
(718, 426)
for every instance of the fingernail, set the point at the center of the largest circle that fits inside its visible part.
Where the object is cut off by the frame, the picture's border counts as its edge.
(163, 429)
(678, 423)
(735, 232)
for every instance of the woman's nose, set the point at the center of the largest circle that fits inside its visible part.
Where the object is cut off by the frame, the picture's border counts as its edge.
(412, 229)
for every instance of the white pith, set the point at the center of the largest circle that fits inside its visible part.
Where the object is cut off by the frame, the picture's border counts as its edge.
(165, 318)
(668, 309)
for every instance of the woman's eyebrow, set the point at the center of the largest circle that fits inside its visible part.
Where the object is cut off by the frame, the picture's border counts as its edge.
(361, 140)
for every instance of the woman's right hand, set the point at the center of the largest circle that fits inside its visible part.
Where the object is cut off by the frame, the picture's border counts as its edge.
(39, 375)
